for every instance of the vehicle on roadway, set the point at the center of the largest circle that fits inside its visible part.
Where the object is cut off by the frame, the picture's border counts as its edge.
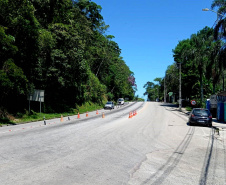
(199, 116)
(121, 101)
(109, 105)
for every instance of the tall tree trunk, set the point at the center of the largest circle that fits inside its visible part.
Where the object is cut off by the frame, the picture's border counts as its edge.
(223, 80)
(99, 67)
(214, 88)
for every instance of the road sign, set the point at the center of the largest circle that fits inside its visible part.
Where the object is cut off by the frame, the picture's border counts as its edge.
(193, 102)
(38, 95)
(170, 93)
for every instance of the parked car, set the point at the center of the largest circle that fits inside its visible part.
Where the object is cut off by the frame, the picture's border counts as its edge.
(121, 101)
(109, 105)
(200, 116)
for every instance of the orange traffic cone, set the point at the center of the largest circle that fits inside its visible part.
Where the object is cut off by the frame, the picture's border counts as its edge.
(103, 116)
(61, 119)
(78, 115)
(87, 114)
(130, 116)
(134, 113)
(97, 112)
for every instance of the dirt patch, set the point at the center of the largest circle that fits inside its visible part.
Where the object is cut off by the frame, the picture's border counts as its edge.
(4, 114)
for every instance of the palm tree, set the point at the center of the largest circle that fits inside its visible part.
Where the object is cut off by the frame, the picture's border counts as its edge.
(220, 34)
(219, 30)
(214, 68)
(200, 44)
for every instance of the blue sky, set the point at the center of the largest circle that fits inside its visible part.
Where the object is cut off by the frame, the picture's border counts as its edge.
(148, 30)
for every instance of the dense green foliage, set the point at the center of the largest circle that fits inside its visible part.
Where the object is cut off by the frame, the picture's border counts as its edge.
(153, 90)
(60, 47)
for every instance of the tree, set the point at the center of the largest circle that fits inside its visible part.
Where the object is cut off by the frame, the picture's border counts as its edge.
(13, 84)
(149, 86)
(171, 79)
(60, 47)
(189, 73)
(195, 52)
(220, 34)
(219, 30)
(201, 42)
(19, 31)
(215, 63)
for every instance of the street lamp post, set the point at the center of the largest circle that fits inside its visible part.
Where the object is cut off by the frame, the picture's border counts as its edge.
(207, 9)
(178, 61)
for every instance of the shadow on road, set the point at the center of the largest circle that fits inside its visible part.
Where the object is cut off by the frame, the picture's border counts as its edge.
(169, 105)
(175, 108)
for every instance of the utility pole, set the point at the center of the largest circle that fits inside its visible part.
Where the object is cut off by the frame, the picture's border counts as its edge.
(180, 86)
(165, 89)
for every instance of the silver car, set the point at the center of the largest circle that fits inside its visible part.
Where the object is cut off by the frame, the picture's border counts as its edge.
(109, 105)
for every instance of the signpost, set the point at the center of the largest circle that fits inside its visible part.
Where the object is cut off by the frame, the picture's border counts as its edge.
(38, 95)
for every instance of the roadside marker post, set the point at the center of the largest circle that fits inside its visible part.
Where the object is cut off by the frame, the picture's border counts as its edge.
(44, 120)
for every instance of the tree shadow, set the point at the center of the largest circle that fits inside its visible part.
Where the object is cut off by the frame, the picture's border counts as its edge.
(5, 121)
(169, 105)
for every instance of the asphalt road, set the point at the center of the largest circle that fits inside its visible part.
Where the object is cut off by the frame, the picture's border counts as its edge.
(156, 146)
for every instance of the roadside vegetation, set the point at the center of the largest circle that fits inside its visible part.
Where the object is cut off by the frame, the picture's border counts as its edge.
(203, 63)
(60, 47)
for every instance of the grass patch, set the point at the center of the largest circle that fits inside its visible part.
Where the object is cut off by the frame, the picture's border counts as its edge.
(88, 107)
(188, 108)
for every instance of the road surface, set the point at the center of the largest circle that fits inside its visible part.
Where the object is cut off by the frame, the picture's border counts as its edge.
(156, 146)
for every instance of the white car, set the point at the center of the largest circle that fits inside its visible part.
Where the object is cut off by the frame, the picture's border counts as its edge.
(121, 101)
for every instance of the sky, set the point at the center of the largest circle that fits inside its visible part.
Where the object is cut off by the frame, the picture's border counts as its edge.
(148, 30)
